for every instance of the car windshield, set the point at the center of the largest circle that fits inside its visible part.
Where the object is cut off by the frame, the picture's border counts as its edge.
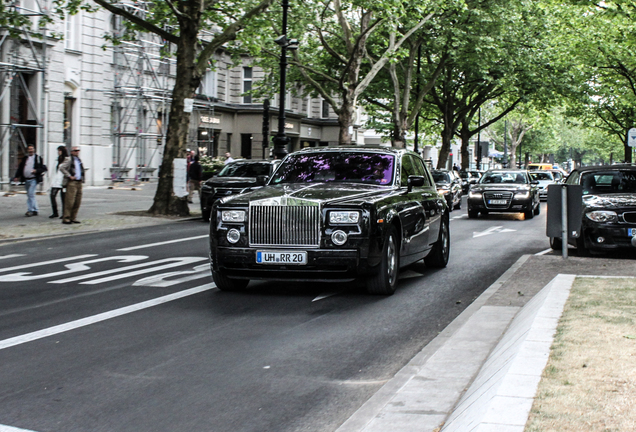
(504, 177)
(606, 182)
(542, 176)
(441, 177)
(372, 168)
(244, 170)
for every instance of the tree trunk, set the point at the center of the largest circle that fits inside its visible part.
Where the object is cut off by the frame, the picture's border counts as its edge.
(465, 135)
(165, 202)
(447, 139)
(346, 118)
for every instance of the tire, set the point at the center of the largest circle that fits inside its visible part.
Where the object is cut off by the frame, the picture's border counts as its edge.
(459, 204)
(472, 214)
(556, 243)
(449, 202)
(537, 210)
(528, 214)
(226, 284)
(205, 215)
(438, 257)
(385, 281)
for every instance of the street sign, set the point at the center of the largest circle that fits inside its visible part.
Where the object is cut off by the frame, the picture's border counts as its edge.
(631, 137)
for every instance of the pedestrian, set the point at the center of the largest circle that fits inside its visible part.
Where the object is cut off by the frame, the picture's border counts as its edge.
(73, 171)
(455, 167)
(228, 158)
(195, 174)
(30, 171)
(56, 182)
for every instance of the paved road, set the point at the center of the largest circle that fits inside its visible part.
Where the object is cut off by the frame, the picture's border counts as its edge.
(123, 331)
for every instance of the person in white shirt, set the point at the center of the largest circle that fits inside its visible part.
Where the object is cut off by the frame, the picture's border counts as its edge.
(30, 172)
(228, 158)
(56, 182)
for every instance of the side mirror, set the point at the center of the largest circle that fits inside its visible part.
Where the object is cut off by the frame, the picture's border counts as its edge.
(415, 181)
(262, 180)
(534, 182)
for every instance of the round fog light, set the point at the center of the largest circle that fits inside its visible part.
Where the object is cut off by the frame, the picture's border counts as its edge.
(339, 237)
(600, 239)
(233, 235)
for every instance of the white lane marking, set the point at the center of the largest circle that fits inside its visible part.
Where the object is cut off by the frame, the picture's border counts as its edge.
(23, 266)
(176, 262)
(493, 230)
(162, 243)
(5, 428)
(83, 322)
(325, 295)
(159, 280)
(7, 257)
(460, 217)
(70, 268)
(544, 252)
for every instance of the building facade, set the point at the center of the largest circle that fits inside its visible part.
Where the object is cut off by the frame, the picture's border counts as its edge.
(113, 101)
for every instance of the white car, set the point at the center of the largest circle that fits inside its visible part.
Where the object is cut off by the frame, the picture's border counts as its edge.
(545, 178)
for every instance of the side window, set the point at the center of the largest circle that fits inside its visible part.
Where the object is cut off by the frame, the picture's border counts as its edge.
(420, 170)
(573, 178)
(407, 169)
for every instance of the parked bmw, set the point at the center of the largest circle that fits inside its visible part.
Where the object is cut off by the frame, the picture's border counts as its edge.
(608, 220)
(236, 177)
(332, 215)
(507, 191)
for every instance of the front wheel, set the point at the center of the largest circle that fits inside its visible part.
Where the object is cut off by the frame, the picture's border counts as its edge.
(438, 257)
(385, 281)
(529, 214)
(472, 214)
(224, 283)
(556, 243)
(537, 210)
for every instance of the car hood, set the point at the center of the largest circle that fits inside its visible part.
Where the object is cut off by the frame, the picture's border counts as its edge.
(317, 192)
(232, 182)
(545, 183)
(500, 187)
(610, 201)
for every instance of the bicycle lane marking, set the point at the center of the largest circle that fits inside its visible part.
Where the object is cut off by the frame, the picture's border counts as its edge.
(162, 243)
(83, 322)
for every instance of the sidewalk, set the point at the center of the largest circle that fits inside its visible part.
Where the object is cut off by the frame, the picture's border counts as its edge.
(101, 209)
(480, 373)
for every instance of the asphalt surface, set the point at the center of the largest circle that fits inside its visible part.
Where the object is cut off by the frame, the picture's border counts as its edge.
(433, 390)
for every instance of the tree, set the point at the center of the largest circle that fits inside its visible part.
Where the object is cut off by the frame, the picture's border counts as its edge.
(183, 24)
(333, 60)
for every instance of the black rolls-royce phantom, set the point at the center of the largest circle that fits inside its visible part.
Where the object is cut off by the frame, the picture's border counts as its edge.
(332, 215)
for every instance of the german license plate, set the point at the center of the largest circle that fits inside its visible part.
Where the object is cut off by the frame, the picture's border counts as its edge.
(287, 258)
(631, 232)
(497, 202)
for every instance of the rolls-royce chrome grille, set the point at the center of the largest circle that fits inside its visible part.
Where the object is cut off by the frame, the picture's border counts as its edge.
(279, 225)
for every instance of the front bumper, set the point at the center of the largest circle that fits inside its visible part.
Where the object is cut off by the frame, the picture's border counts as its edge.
(515, 206)
(608, 237)
(323, 265)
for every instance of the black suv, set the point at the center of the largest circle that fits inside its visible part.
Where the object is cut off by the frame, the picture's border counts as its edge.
(608, 219)
(236, 177)
(508, 191)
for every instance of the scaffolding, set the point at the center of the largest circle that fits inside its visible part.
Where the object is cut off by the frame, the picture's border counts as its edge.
(140, 98)
(22, 86)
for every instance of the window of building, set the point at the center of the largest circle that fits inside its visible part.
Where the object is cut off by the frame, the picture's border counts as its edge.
(72, 31)
(247, 85)
(208, 86)
(324, 112)
(69, 101)
(246, 146)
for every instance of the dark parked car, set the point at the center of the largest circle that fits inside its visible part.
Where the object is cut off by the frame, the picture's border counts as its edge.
(449, 185)
(608, 220)
(236, 177)
(332, 215)
(509, 191)
(469, 178)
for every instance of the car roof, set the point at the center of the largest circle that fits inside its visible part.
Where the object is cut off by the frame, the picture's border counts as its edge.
(339, 149)
(252, 161)
(606, 167)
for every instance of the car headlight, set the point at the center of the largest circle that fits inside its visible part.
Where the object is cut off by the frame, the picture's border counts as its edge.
(442, 191)
(522, 195)
(233, 216)
(474, 194)
(344, 217)
(602, 216)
